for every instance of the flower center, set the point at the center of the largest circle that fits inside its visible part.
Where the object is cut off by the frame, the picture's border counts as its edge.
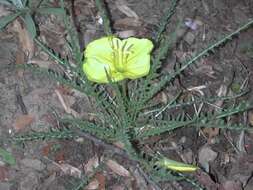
(120, 54)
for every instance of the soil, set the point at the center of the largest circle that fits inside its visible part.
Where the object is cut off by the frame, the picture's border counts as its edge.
(32, 103)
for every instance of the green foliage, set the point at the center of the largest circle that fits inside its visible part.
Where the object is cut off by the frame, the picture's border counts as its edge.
(119, 106)
(25, 10)
(166, 20)
(53, 134)
(7, 157)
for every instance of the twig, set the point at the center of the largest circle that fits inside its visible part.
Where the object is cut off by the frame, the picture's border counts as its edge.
(20, 100)
(100, 142)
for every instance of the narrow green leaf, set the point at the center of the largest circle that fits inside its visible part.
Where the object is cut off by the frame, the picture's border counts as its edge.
(7, 19)
(55, 11)
(30, 25)
(5, 2)
(7, 157)
(17, 3)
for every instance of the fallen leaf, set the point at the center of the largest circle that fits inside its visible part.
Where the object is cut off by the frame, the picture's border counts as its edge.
(122, 6)
(20, 59)
(23, 121)
(25, 41)
(46, 149)
(211, 133)
(126, 33)
(101, 180)
(91, 164)
(59, 157)
(41, 63)
(126, 23)
(94, 184)
(117, 168)
(67, 169)
(3, 173)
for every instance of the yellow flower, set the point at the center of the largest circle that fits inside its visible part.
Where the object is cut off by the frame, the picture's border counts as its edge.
(176, 166)
(117, 59)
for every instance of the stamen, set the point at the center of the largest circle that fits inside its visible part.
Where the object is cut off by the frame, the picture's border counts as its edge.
(120, 54)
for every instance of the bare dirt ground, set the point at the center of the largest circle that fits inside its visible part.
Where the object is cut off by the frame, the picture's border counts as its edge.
(31, 102)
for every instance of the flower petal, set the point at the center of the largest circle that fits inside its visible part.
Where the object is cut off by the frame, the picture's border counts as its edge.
(138, 67)
(100, 48)
(96, 69)
(139, 46)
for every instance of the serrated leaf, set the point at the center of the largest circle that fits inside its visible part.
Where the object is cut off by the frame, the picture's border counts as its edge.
(30, 25)
(55, 11)
(7, 19)
(7, 157)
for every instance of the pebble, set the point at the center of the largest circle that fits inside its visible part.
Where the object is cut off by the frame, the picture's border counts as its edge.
(33, 163)
(4, 186)
(189, 38)
(29, 182)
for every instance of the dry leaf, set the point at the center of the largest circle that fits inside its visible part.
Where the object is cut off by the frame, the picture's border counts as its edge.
(94, 184)
(46, 149)
(59, 157)
(3, 173)
(91, 164)
(126, 23)
(119, 144)
(122, 6)
(20, 59)
(211, 133)
(25, 41)
(70, 170)
(101, 180)
(40, 63)
(126, 33)
(23, 121)
(66, 105)
(117, 168)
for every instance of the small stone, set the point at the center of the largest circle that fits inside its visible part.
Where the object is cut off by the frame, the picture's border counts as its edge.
(44, 56)
(206, 155)
(33, 163)
(4, 186)
(29, 182)
(189, 38)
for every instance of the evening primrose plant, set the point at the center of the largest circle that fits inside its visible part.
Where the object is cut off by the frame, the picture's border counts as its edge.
(121, 77)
